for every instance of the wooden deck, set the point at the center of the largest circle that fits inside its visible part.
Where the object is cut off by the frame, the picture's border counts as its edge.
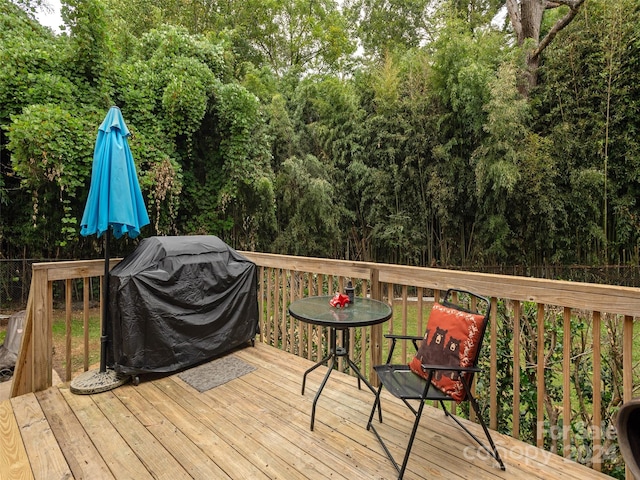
(253, 427)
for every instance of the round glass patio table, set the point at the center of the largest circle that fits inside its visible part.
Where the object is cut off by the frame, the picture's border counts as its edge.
(317, 311)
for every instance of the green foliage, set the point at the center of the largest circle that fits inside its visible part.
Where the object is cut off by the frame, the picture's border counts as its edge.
(89, 47)
(475, 13)
(280, 130)
(51, 153)
(131, 19)
(284, 34)
(168, 43)
(514, 167)
(321, 119)
(587, 105)
(464, 64)
(199, 136)
(247, 191)
(307, 217)
(390, 26)
(294, 35)
(184, 114)
(31, 64)
(30, 6)
(184, 99)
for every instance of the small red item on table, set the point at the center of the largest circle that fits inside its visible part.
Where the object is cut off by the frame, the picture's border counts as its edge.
(339, 300)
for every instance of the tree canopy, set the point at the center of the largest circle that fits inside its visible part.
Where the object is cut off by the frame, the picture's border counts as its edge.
(393, 131)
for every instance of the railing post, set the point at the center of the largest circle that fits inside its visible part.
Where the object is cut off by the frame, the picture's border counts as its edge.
(42, 339)
(376, 330)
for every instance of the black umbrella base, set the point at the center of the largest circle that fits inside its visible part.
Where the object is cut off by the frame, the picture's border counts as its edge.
(94, 381)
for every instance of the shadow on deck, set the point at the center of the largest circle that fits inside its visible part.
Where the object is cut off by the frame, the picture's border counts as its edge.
(253, 427)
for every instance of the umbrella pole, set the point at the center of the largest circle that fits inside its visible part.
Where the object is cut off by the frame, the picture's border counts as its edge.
(105, 304)
(96, 381)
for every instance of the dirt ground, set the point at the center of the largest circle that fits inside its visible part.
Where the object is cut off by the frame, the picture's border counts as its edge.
(77, 344)
(59, 342)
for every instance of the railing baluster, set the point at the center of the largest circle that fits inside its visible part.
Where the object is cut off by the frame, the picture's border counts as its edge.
(515, 431)
(269, 332)
(277, 335)
(420, 305)
(627, 358)
(627, 368)
(365, 339)
(566, 382)
(285, 308)
(597, 392)
(67, 321)
(540, 387)
(493, 366)
(261, 274)
(405, 294)
(311, 329)
(85, 320)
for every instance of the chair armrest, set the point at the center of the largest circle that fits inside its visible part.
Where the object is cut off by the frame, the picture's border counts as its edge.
(402, 337)
(394, 338)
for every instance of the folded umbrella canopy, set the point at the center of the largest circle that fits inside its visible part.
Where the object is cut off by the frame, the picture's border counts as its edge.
(115, 199)
(114, 204)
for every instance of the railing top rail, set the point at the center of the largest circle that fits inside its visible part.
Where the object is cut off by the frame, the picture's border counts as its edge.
(588, 296)
(74, 269)
(322, 266)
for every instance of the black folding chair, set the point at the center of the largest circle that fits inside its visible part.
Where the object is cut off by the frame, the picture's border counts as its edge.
(443, 368)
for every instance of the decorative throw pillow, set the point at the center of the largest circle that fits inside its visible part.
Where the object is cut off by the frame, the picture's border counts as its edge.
(452, 338)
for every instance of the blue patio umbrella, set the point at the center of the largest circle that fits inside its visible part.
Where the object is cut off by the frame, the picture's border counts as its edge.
(115, 204)
(115, 200)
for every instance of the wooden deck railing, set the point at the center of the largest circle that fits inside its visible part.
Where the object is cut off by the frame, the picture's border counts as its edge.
(565, 333)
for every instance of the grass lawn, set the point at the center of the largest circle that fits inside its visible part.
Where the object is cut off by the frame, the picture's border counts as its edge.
(412, 328)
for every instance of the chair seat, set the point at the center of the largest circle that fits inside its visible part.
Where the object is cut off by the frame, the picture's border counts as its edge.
(402, 383)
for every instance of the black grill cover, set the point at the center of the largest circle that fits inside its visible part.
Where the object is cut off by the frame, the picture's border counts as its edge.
(178, 301)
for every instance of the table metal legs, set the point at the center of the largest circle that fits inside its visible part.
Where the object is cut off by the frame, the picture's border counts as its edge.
(334, 352)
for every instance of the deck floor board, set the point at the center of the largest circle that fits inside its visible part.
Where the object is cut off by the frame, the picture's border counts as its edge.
(255, 426)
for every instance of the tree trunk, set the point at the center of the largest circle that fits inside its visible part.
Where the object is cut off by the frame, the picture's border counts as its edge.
(526, 19)
(531, 17)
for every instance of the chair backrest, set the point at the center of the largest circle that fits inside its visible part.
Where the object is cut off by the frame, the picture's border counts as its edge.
(454, 336)
(471, 303)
